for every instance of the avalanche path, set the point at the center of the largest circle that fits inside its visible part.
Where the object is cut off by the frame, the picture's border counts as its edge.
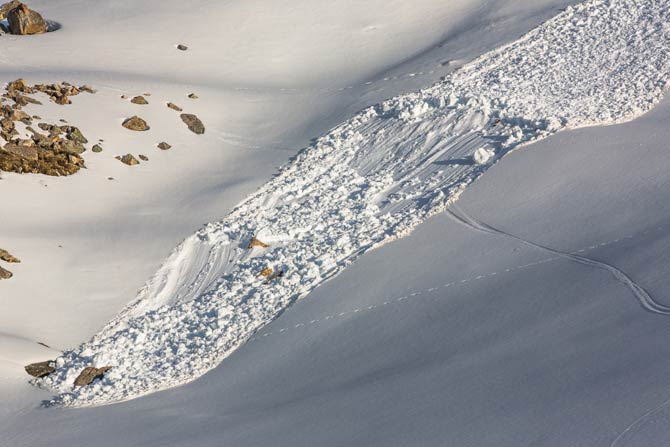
(370, 180)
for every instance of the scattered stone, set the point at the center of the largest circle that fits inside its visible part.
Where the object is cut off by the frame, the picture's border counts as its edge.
(63, 121)
(193, 96)
(266, 272)
(96, 148)
(256, 243)
(7, 257)
(5, 274)
(164, 146)
(174, 107)
(124, 97)
(143, 157)
(139, 100)
(40, 369)
(128, 159)
(89, 374)
(22, 20)
(193, 122)
(136, 123)
(37, 117)
(147, 94)
(182, 47)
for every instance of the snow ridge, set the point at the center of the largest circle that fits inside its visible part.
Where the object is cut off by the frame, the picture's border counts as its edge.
(369, 181)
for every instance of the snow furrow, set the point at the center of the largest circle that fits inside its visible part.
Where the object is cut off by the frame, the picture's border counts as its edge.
(647, 302)
(368, 181)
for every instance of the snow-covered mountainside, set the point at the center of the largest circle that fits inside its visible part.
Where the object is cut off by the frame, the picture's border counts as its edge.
(370, 180)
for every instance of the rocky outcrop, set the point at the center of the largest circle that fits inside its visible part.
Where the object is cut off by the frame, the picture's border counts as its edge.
(256, 243)
(89, 374)
(40, 369)
(136, 123)
(193, 122)
(22, 20)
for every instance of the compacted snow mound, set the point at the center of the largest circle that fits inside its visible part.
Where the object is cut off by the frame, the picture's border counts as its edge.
(368, 181)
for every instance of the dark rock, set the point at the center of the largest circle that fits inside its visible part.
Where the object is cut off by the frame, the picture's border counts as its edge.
(5, 8)
(139, 100)
(256, 243)
(143, 157)
(164, 146)
(40, 369)
(96, 148)
(128, 159)
(5, 274)
(136, 123)
(174, 107)
(193, 96)
(89, 374)
(182, 47)
(7, 257)
(193, 122)
(22, 20)
(74, 134)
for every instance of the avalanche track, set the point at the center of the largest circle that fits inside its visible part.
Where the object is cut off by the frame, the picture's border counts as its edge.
(370, 180)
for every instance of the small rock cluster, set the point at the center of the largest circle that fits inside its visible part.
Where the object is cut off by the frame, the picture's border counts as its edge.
(7, 257)
(53, 151)
(22, 20)
(86, 377)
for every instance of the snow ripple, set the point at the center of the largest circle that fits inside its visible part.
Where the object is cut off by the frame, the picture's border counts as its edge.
(368, 181)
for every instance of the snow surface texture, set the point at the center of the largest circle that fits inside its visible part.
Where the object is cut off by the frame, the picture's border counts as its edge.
(370, 180)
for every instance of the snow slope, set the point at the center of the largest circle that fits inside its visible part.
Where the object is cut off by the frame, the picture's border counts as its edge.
(370, 180)
(452, 336)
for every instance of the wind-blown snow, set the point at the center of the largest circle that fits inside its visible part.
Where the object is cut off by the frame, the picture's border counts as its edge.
(370, 180)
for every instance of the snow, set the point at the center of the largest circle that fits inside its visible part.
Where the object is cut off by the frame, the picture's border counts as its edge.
(371, 358)
(366, 182)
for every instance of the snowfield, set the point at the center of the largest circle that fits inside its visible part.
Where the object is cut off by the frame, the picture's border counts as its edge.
(369, 181)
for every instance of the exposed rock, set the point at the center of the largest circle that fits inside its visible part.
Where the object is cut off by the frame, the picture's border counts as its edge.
(5, 8)
(174, 107)
(256, 243)
(21, 149)
(5, 274)
(89, 374)
(74, 134)
(96, 148)
(143, 157)
(136, 123)
(40, 369)
(266, 272)
(193, 122)
(164, 146)
(69, 146)
(275, 275)
(193, 96)
(7, 257)
(128, 159)
(22, 20)
(182, 47)
(87, 88)
(139, 100)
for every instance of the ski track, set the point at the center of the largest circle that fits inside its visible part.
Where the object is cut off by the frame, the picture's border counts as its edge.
(368, 181)
(646, 301)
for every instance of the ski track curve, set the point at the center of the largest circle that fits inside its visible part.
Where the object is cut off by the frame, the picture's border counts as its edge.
(368, 181)
(647, 302)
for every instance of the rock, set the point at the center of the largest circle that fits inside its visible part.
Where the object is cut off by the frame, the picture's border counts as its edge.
(174, 107)
(74, 134)
(5, 8)
(22, 20)
(96, 148)
(89, 374)
(143, 157)
(7, 257)
(256, 243)
(275, 275)
(87, 88)
(266, 272)
(3, 29)
(21, 149)
(71, 147)
(164, 146)
(193, 96)
(136, 123)
(5, 274)
(193, 122)
(40, 369)
(139, 100)
(128, 159)
(182, 47)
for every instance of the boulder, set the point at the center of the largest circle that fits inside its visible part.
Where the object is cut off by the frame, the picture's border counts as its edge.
(7, 257)
(139, 100)
(164, 146)
(40, 369)
(22, 20)
(96, 148)
(136, 123)
(5, 8)
(193, 122)
(89, 374)
(5, 274)
(128, 159)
